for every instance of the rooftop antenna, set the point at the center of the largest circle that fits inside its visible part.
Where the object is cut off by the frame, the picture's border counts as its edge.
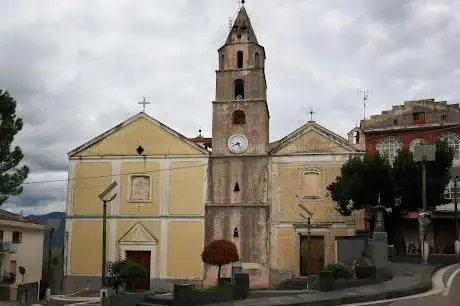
(230, 23)
(365, 92)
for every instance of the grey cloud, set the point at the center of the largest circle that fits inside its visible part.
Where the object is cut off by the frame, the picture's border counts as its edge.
(77, 68)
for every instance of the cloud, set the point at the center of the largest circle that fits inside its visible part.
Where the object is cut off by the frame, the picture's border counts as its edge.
(79, 67)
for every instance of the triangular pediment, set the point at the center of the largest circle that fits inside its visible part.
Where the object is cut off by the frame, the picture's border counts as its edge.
(138, 234)
(312, 138)
(141, 130)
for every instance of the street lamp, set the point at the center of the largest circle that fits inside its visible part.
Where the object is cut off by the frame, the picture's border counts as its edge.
(104, 226)
(424, 154)
(51, 226)
(455, 173)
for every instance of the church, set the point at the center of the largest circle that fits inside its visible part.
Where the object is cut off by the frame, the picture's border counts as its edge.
(175, 194)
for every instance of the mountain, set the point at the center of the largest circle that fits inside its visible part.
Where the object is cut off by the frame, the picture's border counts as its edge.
(58, 235)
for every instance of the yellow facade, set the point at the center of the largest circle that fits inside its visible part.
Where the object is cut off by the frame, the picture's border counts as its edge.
(302, 166)
(185, 245)
(167, 180)
(90, 180)
(86, 246)
(186, 188)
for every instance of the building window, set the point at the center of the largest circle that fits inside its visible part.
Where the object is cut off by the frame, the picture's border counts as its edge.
(140, 188)
(418, 118)
(13, 267)
(449, 192)
(222, 62)
(444, 117)
(416, 142)
(454, 142)
(388, 147)
(239, 117)
(239, 89)
(239, 59)
(256, 60)
(17, 237)
(311, 184)
(1, 235)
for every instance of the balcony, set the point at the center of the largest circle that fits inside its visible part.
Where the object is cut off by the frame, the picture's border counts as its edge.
(418, 121)
(7, 247)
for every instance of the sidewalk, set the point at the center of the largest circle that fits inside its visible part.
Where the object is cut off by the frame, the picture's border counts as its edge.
(408, 279)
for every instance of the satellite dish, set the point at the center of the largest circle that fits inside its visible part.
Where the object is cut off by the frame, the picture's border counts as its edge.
(239, 97)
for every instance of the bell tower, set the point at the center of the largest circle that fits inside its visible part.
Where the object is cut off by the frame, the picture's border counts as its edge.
(237, 207)
(240, 106)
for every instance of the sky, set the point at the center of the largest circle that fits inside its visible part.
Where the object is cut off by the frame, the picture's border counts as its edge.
(79, 67)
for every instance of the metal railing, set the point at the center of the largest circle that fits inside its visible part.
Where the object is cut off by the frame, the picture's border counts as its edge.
(7, 247)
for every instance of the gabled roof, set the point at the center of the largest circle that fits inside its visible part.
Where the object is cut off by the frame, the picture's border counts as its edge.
(129, 121)
(311, 125)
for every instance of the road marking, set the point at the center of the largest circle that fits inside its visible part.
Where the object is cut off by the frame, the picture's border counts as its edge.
(438, 287)
(449, 282)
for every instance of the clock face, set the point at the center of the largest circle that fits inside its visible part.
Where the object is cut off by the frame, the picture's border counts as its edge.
(238, 143)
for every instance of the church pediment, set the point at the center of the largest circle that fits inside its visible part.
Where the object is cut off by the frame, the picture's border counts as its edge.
(138, 234)
(314, 139)
(141, 130)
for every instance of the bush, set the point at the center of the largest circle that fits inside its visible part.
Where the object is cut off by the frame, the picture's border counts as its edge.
(340, 271)
(126, 271)
(219, 253)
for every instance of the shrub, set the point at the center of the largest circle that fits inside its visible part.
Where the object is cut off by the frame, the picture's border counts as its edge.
(219, 253)
(340, 270)
(126, 271)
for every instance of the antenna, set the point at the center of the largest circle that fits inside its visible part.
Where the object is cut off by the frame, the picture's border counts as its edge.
(365, 93)
(311, 112)
(230, 23)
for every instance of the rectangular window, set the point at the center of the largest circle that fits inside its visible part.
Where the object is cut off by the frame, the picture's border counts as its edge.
(140, 188)
(449, 192)
(311, 184)
(13, 266)
(418, 118)
(1, 235)
(17, 237)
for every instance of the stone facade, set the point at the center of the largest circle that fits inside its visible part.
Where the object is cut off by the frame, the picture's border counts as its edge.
(254, 196)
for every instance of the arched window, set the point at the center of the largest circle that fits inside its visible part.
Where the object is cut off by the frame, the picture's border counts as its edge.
(239, 59)
(239, 89)
(222, 62)
(416, 142)
(239, 117)
(311, 183)
(389, 147)
(256, 60)
(453, 140)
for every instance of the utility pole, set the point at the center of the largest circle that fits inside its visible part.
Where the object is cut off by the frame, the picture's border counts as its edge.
(104, 228)
(309, 245)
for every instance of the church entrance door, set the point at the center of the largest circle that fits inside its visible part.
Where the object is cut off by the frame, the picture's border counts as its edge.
(316, 256)
(142, 258)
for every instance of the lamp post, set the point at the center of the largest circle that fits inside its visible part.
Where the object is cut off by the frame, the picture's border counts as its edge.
(424, 154)
(104, 227)
(455, 173)
(51, 226)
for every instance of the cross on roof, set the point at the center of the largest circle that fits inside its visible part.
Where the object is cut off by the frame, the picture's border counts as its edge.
(311, 114)
(143, 103)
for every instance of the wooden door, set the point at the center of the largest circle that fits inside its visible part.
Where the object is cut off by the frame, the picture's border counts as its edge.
(317, 255)
(143, 258)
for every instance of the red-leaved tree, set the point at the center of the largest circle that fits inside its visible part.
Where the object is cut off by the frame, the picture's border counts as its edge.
(219, 253)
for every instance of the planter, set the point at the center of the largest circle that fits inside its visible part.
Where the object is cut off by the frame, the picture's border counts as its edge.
(326, 281)
(186, 295)
(241, 285)
(366, 272)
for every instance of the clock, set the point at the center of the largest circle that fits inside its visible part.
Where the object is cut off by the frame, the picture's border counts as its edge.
(237, 143)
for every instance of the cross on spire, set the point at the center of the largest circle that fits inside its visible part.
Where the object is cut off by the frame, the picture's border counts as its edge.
(143, 103)
(311, 112)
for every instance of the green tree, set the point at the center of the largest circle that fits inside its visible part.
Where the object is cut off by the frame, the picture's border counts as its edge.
(399, 186)
(11, 174)
(362, 182)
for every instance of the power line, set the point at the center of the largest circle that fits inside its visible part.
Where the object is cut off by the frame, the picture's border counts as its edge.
(192, 166)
